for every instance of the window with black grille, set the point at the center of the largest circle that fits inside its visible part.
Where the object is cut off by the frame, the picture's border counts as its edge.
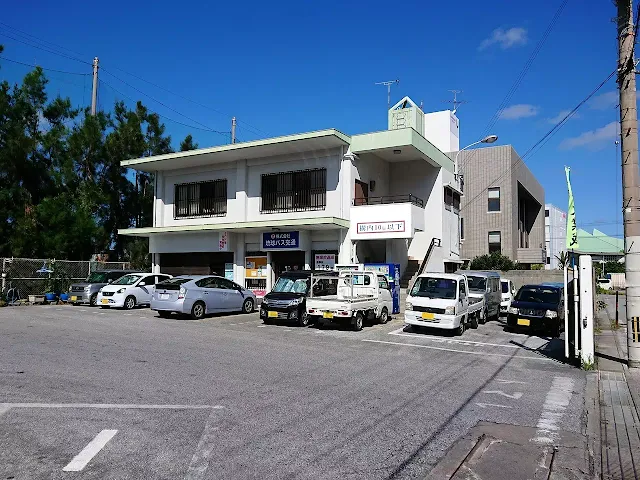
(294, 191)
(201, 199)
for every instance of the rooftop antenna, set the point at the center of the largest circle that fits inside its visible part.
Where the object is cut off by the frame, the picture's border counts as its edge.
(455, 100)
(388, 84)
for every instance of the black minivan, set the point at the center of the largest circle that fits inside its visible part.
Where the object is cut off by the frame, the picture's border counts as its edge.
(538, 307)
(287, 299)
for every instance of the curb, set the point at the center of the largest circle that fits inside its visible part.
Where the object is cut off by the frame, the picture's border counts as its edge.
(591, 424)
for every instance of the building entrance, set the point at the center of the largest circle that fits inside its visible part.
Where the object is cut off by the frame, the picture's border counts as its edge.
(286, 261)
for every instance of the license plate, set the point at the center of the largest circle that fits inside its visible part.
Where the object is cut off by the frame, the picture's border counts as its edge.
(428, 316)
(524, 321)
(272, 314)
(74, 298)
(164, 296)
(327, 315)
(105, 301)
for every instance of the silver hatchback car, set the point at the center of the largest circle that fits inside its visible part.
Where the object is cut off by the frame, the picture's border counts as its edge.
(199, 295)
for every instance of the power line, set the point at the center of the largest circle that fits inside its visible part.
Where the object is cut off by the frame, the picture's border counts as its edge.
(31, 44)
(540, 142)
(523, 72)
(44, 68)
(163, 104)
(46, 45)
(255, 130)
(225, 134)
(22, 33)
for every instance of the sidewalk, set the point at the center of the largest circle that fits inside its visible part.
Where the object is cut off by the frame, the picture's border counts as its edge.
(619, 396)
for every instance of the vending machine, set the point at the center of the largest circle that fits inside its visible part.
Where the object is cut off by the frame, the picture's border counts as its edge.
(392, 272)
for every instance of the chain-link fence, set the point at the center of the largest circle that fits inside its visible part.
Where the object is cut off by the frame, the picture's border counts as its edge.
(36, 276)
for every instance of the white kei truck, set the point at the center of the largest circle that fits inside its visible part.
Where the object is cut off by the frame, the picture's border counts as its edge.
(442, 300)
(354, 297)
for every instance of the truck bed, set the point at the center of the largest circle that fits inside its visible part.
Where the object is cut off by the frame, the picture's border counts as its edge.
(332, 303)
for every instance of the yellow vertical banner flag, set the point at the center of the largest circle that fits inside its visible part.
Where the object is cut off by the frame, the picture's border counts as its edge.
(572, 227)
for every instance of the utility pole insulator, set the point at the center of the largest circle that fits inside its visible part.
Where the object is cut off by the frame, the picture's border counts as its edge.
(630, 173)
(94, 91)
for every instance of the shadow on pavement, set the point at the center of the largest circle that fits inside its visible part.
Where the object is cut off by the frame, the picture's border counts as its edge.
(553, 349)
(610, 357)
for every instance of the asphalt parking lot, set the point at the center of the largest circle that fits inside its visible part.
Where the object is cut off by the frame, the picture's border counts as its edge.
(93, 393)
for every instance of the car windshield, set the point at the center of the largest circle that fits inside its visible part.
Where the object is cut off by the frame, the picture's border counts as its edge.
(430, 287)
(291, 285)
(127, 280)
(477, 283)
(97, 277)
(538, 295)
(505, 287)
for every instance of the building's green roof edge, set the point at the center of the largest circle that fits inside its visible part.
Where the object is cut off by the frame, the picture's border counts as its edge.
(266, 224)
(242, 145)
(384, 139)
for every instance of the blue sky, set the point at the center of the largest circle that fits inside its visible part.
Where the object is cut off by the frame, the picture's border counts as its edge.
(289, 67)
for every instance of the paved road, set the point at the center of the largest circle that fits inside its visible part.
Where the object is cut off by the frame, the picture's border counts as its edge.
(89, 393)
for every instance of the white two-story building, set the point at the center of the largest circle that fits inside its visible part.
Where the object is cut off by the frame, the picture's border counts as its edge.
(252, 210)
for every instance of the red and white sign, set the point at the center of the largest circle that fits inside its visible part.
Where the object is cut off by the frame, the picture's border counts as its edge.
(223, 243)
(380, 227)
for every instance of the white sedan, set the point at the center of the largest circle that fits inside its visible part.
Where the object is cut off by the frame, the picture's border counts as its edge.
(130, 290)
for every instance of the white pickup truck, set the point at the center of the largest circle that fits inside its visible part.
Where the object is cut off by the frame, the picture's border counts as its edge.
(359, 296)
(442, 300)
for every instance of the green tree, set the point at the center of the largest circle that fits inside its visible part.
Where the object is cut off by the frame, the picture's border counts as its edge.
(563, 260)
(493, 261)
(188, 144)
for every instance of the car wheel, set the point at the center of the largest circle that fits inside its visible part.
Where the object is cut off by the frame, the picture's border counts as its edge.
(358, 321)
(460, 330)
(384, 316)
(129, 302)
(555, 331)
(247, 306)
(93, 300)
(197, 311)
(164, 314)
(303, 320)
(474, 320)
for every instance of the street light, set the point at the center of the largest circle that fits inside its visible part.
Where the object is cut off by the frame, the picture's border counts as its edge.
(487, 139)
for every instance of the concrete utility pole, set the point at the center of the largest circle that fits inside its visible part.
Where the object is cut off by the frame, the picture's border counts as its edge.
(630, 181)
(233, 130)
(94, 92)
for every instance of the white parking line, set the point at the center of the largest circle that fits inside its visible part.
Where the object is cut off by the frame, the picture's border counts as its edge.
(484, 354)
(91, 450)
(262, 326)
(401, 333)
(109, 406)
(555, 404)
(200, 460)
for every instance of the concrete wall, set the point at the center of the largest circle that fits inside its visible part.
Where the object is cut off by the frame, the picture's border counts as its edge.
(500, 166)
(244, 185)
(485, 168)
(528, 277)
(443, 130)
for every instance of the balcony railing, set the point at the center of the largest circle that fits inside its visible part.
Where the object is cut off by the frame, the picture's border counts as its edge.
(412, 199)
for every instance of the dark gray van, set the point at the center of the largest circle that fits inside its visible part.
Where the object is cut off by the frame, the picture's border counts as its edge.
(87, 291)
(485, 285)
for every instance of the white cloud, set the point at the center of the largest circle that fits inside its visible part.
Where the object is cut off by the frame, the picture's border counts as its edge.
(513, 37)
(593, 139)
(558, 118)
(521, 110)
(604, 101)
